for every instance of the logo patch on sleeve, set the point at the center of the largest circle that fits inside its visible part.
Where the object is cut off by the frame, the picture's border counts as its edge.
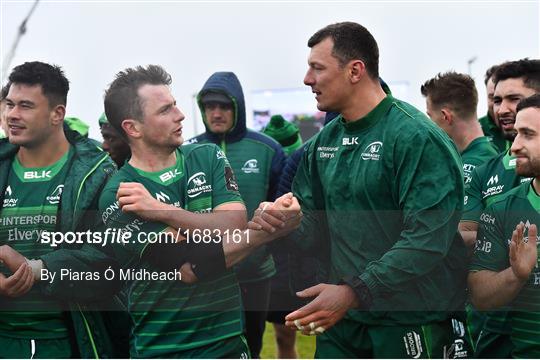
(230, 179)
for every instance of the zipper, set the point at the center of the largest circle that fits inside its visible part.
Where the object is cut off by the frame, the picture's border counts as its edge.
(89, 333)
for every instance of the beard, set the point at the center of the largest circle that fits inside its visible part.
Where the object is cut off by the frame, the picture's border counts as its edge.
(509, 135)
(531, 168)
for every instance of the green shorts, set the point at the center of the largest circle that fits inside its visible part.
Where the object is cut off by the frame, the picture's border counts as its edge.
(15, 348)
(491, 345)
(232, 348)
(351, 339)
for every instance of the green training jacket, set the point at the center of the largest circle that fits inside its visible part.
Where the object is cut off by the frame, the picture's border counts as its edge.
(99, 334)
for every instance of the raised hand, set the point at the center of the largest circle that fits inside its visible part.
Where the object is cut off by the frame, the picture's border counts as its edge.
(523, 252)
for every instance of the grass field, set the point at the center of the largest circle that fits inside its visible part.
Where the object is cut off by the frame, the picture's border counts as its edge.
(305, 345)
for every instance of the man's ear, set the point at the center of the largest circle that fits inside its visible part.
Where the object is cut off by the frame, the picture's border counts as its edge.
(357, 70)
(57, 115)
(132, 128)
(448, 115)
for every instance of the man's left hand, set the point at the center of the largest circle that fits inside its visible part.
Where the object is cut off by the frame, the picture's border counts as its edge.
(330, 305)
(11, 258)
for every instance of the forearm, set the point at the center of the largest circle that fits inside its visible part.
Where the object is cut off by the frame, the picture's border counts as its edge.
(490, 289)
(219, 220)
(468, 231)
(251, 240)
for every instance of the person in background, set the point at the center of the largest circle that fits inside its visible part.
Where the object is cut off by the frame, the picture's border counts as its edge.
(284, 132)
(113, 142)
(489, 123)
(256, 160)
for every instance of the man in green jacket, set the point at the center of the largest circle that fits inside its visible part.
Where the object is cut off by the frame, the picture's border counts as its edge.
(381, 189)
(256, 160)
(50, 180)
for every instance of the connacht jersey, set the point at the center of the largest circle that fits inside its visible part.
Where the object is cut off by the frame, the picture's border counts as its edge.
(170, 316)
(497, 223)
(477, 153)
(30, 207)
(389, 187)
(488, 181)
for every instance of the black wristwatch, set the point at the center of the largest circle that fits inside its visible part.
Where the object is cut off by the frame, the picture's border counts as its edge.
(360, 289)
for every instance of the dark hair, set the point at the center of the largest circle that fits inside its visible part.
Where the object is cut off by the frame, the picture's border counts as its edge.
(352, 41)
(51, 78)
(457, 91)
(122, 99)
(531, 101)
(4, 92)
(489, 73)
(528, 70)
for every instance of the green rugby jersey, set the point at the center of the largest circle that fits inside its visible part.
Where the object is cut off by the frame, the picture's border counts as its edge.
(498, 222)
(171, 316)
(488, 181)
(30, 207)
(494, 134)
(389, 187)
(477, 153)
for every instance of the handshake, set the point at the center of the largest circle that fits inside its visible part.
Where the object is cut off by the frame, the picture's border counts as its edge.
(277, 218)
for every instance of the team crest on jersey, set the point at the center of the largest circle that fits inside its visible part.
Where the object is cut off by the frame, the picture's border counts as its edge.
(251, 167)
(373, 151)
(54, 198)
(197, 185)
(8, 200)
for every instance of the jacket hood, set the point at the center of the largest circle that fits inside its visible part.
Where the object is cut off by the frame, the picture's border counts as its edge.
(228, 84)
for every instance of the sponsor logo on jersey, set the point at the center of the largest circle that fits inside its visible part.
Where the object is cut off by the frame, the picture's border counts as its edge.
(220, 155)
(191, 141)
(488, 219)
(251, 167)
(456, 351)
(43, 174)
(168, 175)
(164, 198)
(413, 344)
(483, 245)
(54, 198)
(8, 201)
(512, 162)
(465, 200)
(494, 190)
(372, 151)
(197, 185)
(524, 180)
(458, 328)
(327, 152)
(111, 209)
(493, 180)
(350, 141)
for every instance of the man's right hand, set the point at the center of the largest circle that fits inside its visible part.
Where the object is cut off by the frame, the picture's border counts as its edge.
(523, 253)
(282, 216)
(17, 284)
